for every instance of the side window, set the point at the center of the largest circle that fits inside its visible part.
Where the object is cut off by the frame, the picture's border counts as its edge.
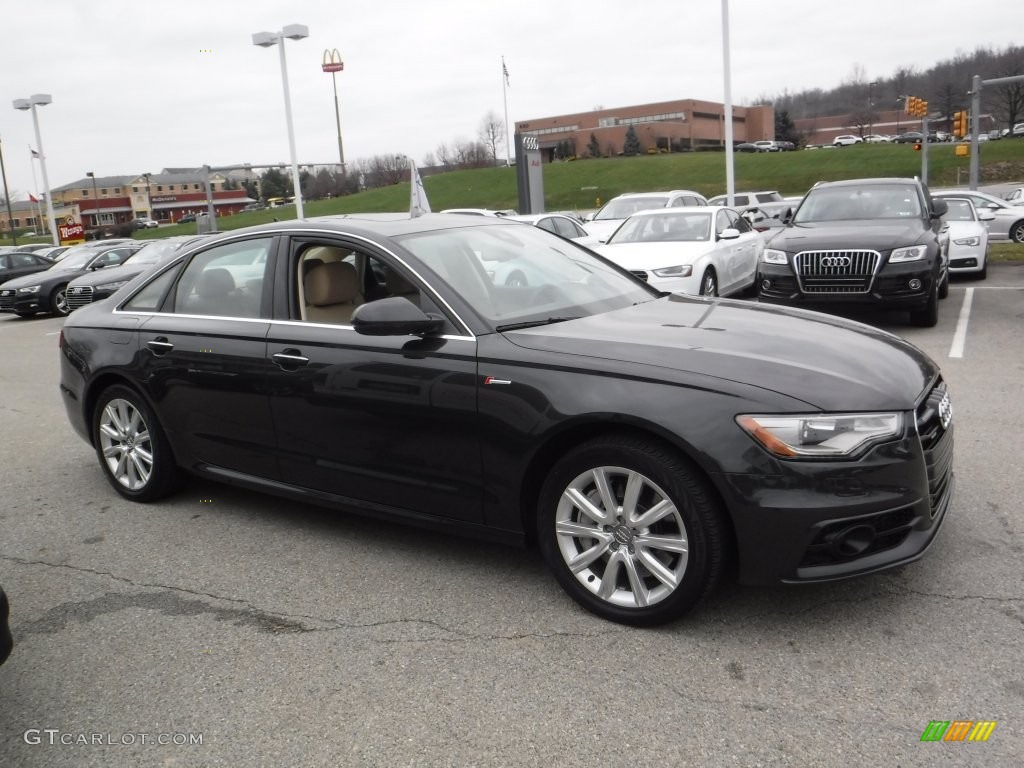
(334, 280)
(4, 262)
(739, 223)
(549, 225)
(224, 281)
(149, 298)
(721, 223)
(22, 260)
(567, 228)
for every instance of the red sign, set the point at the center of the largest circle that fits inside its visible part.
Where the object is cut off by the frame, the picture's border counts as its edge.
(333, 67)
(71, 234)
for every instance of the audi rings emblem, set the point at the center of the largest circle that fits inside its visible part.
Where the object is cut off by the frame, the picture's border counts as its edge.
(836, 261)
(945, 411)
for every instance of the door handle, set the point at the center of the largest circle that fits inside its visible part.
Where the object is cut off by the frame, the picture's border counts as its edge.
(290, 358)
(160, 346)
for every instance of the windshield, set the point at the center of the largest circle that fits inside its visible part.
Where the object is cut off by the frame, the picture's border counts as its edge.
(153, 253)
(75, 259)
(668, 226)
(512, 273)
(869, 201)
(627, 206)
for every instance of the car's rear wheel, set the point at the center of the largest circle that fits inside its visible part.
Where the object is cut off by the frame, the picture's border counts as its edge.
(709, 283)
(630, 530)
(928, 315)
(59, 300)
(131, 446)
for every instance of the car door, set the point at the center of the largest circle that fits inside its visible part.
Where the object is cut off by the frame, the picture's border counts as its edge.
(203, 356)
(387, 422)
(739, 254)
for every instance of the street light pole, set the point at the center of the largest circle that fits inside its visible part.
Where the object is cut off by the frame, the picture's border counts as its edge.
(96, 203)
(332, 63)
(871, 109)
(266, 40)
(41, 99)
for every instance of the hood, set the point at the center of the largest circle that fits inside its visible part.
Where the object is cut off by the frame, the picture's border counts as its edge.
(654, 255)
(111, 274)
(43, 277)
(829, 363)
(602, 229)
(878, 235)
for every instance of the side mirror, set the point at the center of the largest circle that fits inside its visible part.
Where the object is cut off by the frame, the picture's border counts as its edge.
(985, 214)
(939, 208)
(728, 234)
(394, 316)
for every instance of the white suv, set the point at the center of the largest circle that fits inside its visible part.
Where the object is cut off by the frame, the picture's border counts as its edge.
(846, 140)
(618, 209)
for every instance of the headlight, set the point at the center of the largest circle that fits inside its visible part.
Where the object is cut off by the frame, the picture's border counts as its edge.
(913, 253)
(968, 240)
(771, 256)
(29, 289)
(683, 270)
(111, 286)
(821, 436)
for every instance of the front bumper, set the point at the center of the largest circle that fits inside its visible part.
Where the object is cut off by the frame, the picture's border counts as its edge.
(26, 303)
(966, 260)
(890, 288)
(825, 521)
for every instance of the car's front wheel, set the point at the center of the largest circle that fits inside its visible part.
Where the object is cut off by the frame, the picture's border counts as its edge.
(630, 530)
(59, 300)
(928, 315)
(131, 446)
(1017, 232)
(709, 283)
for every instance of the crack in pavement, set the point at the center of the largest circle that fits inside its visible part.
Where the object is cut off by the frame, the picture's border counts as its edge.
(171, 603)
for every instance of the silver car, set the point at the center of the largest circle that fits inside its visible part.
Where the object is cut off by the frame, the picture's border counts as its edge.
(1008, 223)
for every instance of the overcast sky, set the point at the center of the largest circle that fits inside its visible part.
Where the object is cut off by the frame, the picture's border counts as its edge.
(140, 86)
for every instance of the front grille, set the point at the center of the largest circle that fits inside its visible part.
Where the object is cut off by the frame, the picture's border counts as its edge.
(6, 301)
(836, 271)
(639, 273)
(934, 419)
(78, 297)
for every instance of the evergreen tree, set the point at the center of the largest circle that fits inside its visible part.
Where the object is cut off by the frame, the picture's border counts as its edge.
(631, 145)
(593, 147)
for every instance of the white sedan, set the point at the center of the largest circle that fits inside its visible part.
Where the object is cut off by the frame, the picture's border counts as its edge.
(968, 237)
(710, 251)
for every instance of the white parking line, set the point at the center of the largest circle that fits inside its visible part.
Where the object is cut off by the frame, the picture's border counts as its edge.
(960, 337)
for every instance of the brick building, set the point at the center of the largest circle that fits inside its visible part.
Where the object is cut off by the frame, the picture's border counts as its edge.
(676, 126)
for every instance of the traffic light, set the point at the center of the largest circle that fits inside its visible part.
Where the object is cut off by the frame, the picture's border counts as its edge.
(911, 105)
(916, 107)
(960, 127)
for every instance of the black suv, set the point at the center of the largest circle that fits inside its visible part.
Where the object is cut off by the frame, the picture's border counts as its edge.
(861, 242)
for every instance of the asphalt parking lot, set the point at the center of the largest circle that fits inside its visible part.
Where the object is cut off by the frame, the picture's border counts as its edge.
(273, 633)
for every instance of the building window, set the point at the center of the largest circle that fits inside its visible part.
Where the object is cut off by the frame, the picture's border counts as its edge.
(135, 189)
(85, 193)
(195, 186)
(103, 192)
(159, 188)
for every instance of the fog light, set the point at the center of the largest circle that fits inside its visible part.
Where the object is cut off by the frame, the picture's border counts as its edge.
(914, 285)
(766, 284)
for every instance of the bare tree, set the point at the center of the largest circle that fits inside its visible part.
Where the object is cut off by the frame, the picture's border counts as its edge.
(492, 134)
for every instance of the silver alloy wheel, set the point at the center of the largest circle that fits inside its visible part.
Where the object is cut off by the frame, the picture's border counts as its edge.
(126, 446)
(60, 301)
(622, 537)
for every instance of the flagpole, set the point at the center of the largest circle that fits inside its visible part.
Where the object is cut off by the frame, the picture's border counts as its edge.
(33, 155)
(504, 94)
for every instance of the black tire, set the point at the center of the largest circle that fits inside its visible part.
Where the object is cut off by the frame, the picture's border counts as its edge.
(59, 301)
(127, 433)
(944, 286)
(693, 520)
(1017, 232)
(709, 283)
(517, 280)
(928, 315)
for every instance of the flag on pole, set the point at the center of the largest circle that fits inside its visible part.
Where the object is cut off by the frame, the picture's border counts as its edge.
(418, 204)
(33, 198)
(504, 71)
(34, 153)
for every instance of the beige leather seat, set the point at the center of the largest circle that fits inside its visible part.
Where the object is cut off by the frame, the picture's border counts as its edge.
(397, 285)
(332, 293)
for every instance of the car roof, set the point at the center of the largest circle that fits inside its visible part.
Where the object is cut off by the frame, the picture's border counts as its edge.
(380, 224)
(659, 194)
(681, 209)
(860, 182)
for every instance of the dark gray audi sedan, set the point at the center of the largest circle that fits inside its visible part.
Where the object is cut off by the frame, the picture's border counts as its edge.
(641, 440)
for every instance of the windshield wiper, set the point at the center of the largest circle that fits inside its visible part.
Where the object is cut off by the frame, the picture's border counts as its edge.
(533, 323)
